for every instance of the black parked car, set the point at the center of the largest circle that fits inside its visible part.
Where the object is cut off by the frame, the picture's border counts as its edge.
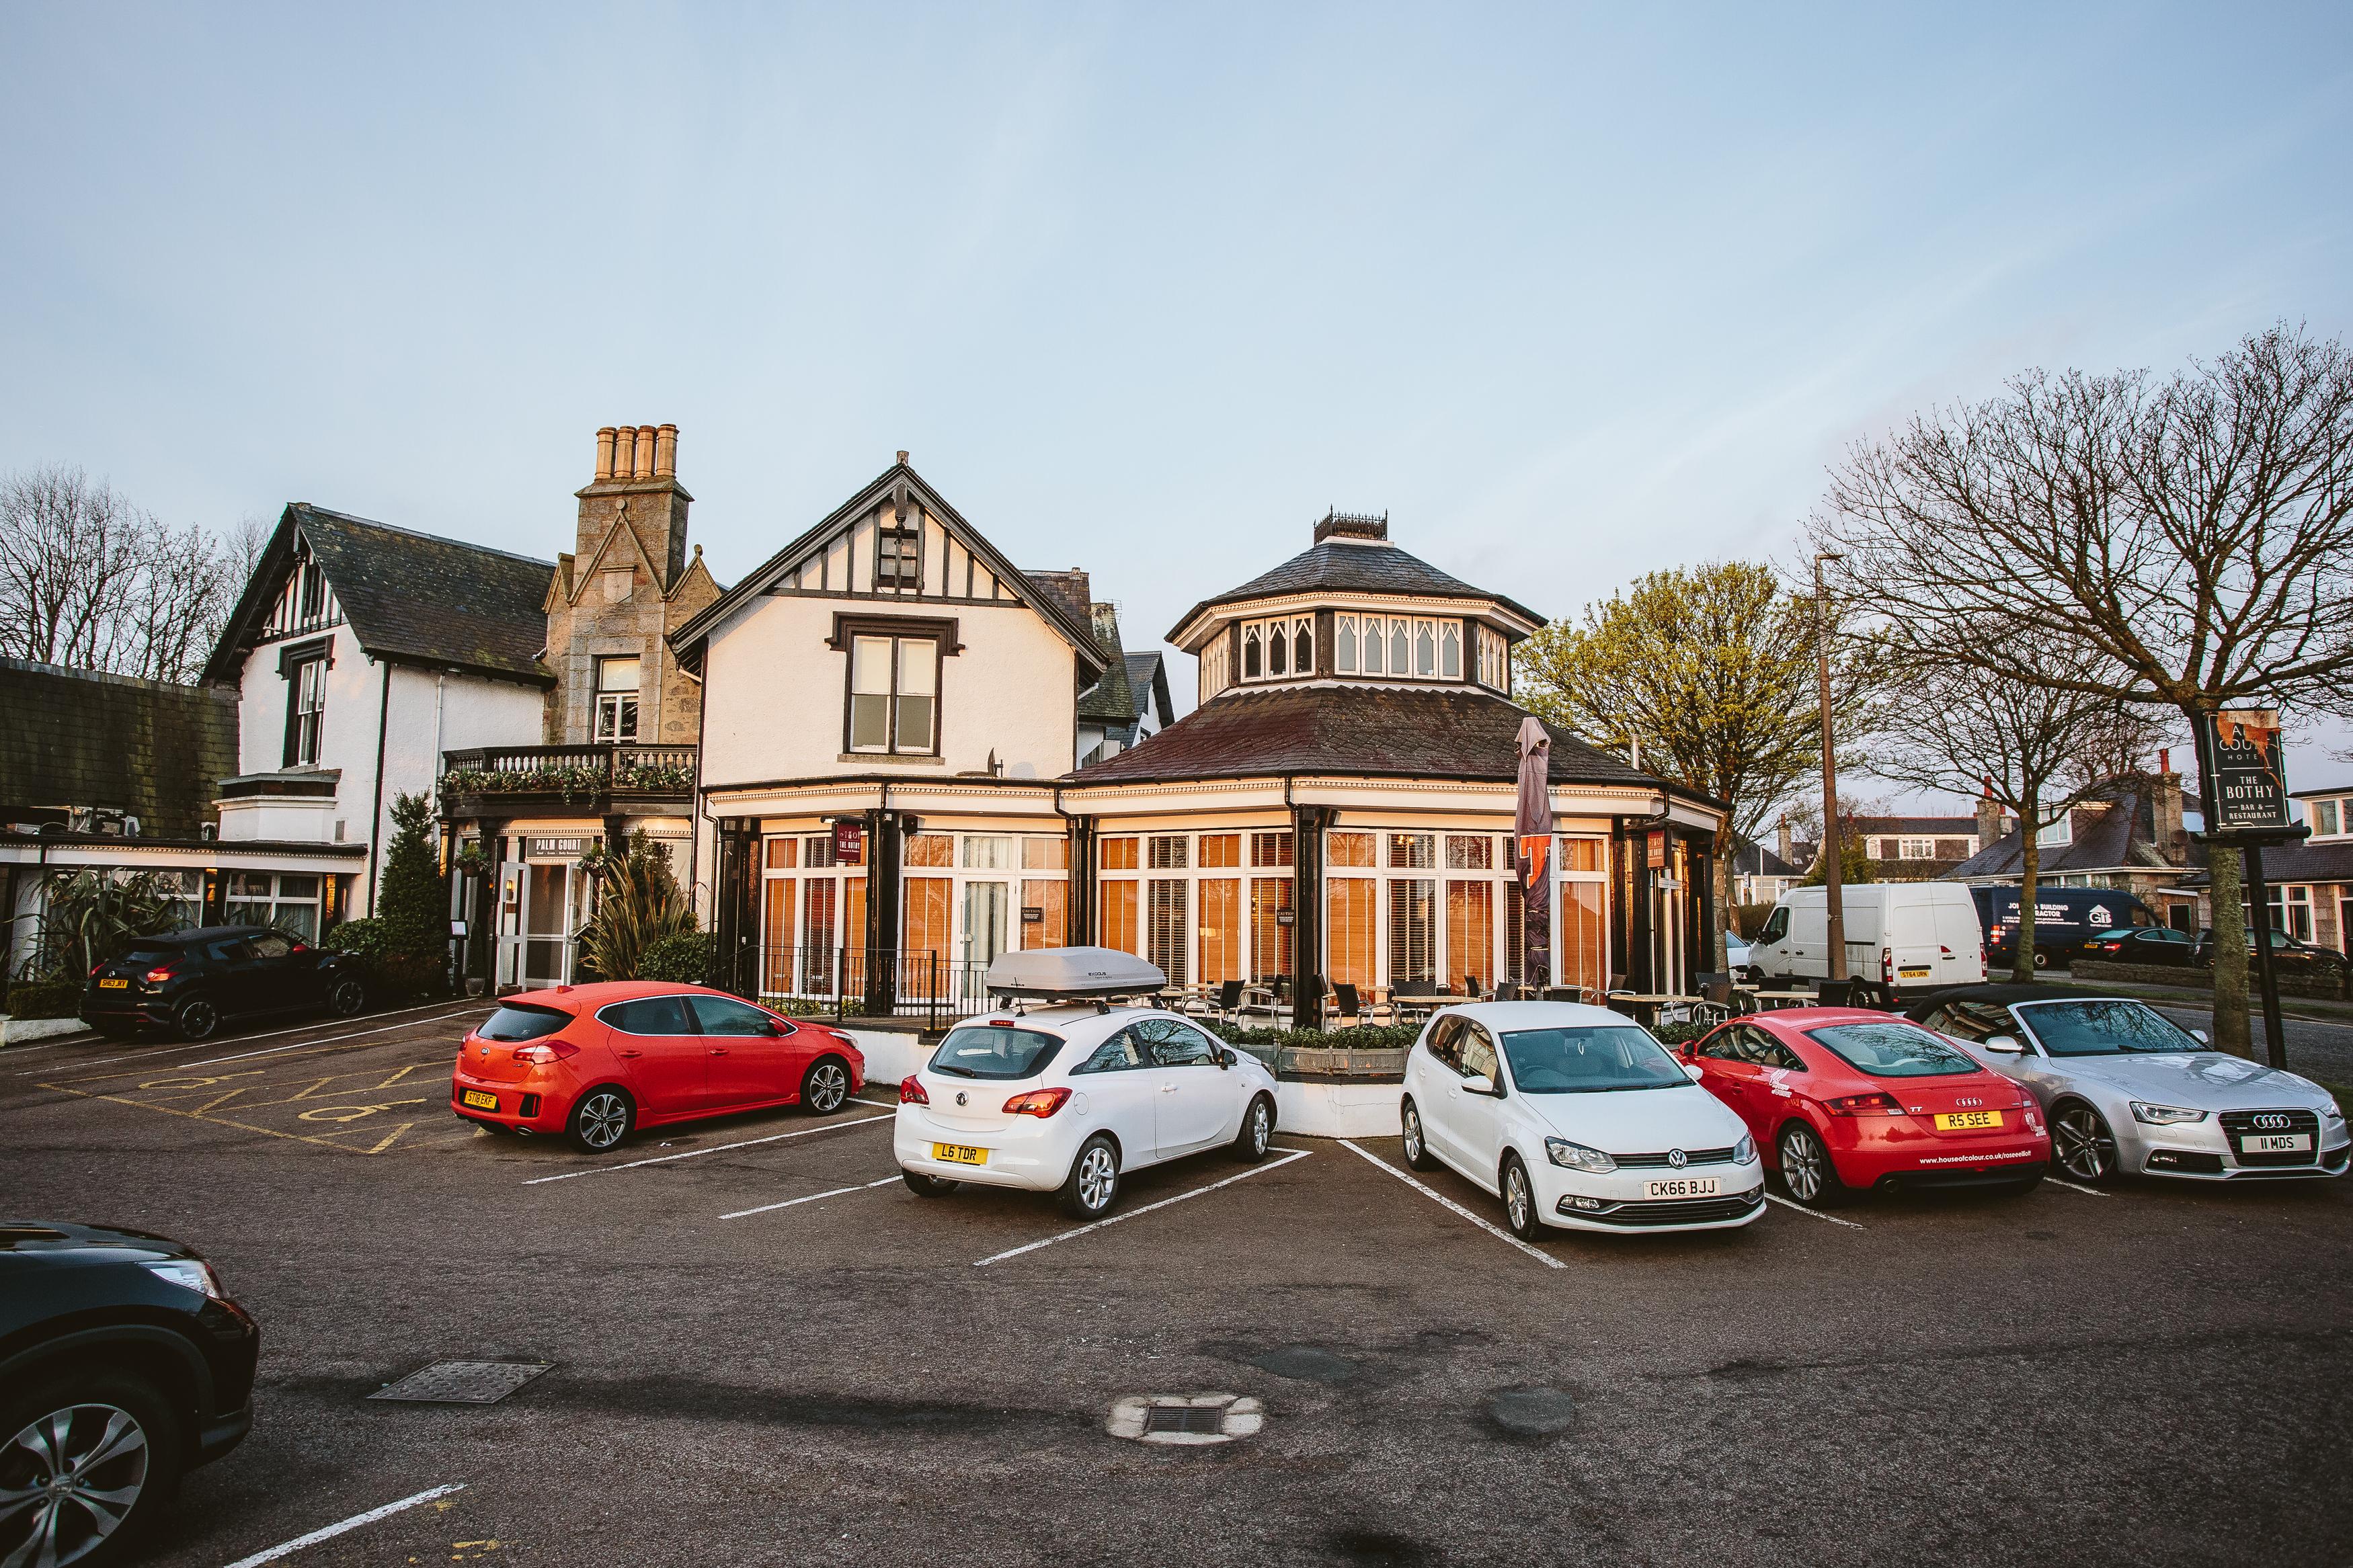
(2289, 956)
(121, 1366)
(2144, 944)
(191, 980)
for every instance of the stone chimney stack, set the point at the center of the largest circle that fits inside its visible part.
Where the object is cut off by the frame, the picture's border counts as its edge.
(1989, 818)
(637, 476)
(1782, 846)
(2164, 813)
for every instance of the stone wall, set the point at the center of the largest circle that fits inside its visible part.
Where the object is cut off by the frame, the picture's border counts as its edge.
(2092, 971)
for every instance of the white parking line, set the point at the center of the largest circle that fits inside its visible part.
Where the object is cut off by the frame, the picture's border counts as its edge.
(1813, 1214)
(715, 1149)
(1288, 1156)
(1498, 1232)
(327, 1039)
(881, 1104)
(2071, 1186)
(789, 1202)
(288, 1548)
(175, 1049)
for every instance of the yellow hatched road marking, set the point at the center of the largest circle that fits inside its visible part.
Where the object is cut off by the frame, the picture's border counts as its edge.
(323, 1140)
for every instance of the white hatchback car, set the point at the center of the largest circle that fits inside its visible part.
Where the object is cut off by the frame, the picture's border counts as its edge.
(1067, 1100)
(1575, 1116)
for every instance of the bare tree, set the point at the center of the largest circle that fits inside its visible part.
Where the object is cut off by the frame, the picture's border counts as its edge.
(2039, 750)
(2193, 535)
(91, 581)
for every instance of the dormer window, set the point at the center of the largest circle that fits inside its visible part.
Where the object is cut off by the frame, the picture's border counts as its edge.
(2323, 818)
(1283, 647)
(899, 556)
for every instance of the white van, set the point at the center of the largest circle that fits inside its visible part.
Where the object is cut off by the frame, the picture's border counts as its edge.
(1902, 936)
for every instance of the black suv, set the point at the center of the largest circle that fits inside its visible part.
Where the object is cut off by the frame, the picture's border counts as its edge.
(191, 980)
(121, 1365)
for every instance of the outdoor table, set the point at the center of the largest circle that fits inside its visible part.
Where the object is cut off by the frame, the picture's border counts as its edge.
(1779, 998)
(1650, 1002)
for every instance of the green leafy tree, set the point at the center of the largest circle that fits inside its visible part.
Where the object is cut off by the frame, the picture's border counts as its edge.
(1854, 865)
(1704, 676)
(639, 905)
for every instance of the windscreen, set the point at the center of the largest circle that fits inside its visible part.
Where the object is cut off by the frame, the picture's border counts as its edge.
(2094, 1029)
(517, 1021)
(1891, 1050)
(1589, 1060)
(983, 1050)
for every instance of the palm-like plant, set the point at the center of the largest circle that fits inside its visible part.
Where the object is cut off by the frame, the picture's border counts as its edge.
(90, 917)
(638, 903)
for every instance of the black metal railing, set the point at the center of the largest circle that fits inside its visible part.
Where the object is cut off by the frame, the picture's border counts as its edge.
(575, 772)
(856, 982)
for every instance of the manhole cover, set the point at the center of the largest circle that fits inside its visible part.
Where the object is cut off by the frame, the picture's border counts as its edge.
(462, 1382)
(1189, 1418)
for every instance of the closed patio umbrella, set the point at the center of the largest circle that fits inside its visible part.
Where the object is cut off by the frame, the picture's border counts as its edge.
(1532, 824)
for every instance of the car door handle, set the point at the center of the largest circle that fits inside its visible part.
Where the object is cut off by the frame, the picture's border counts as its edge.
(628, 1053)
(1167, 1089)
(719, 1050)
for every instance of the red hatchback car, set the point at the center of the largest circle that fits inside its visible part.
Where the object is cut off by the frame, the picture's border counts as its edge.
(597, 1062)
(1841, 1097)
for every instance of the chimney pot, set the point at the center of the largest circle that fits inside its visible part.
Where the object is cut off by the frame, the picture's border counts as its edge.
(666, 452)
(643, 469)
(903, 459)
(605, 452)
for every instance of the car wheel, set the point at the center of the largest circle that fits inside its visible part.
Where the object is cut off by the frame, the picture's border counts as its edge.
(1806, 1168)
(2042, 959)
(2082, 1144)
(346, 997)
(1417, 1148)
(824, 1085)
(84, 1464)
(1093, 1185)
(1520, 1201)
(1257, 1135)
(600, 1120)
(924, 1186)
(197, 1020)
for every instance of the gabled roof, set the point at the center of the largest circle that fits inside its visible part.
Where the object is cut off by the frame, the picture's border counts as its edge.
(687, 641)
(1756, 860)
(1147, 677)
(1964, 826)
(1353, 566)
(1108, 700)
(408, 597)
(1352, 731)
(2117, 829)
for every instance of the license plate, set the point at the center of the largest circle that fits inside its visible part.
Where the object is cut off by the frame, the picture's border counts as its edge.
(112, 985)
(1682, 1187)
(959, 1153)
(2275, 1142)
(1919, 974)
(1962, 1120)
(479, 1100)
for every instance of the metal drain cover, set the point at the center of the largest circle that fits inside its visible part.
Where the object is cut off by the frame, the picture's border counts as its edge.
(1185, 1418)
(462, 1382)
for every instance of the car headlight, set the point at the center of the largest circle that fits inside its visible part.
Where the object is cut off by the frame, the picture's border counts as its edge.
(2332, 1113)
(2165, 1115)
(188, 1273)
(1577, 1157)
(1745, 1151)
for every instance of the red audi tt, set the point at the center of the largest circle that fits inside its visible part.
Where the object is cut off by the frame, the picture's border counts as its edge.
(1842, 1098)
(597, 1062)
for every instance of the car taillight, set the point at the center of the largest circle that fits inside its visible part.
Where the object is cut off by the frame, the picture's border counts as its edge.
(546, 1052)
(1037, 1102)
(157, 975)
(96, 967)
(911, 1092)
(1864, 1105)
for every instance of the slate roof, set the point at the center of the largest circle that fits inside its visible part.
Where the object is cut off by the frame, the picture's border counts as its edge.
(408, 597)
(1147, 677)
(2308, 863)
(2124, 833)
(1358, 731)
(79, 738)
(1357, 566)
(1928, 826)
(1108, 701)
(1756, 860)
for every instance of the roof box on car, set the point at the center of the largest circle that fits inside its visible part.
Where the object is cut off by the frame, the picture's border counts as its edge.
(1076, 974)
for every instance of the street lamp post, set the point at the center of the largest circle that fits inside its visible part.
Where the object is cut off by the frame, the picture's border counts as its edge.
(1833, 899)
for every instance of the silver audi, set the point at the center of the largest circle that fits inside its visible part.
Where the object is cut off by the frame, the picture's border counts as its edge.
(2128, 1091)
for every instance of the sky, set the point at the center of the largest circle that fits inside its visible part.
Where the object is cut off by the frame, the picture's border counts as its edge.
(1572, 293)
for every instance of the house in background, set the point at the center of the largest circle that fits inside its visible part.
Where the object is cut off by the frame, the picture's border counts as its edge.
(106, 771)
(1759, 876)
(2312, 882)
(1916, 848)
(2130, 835)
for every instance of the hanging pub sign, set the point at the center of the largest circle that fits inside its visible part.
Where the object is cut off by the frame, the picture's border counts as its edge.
(2249, 791)
(1657, 847)
(849, 843)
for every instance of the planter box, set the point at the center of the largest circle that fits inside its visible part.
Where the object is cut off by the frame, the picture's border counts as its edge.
(2196, 978)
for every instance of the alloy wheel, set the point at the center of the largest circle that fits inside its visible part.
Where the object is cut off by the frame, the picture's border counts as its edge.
(1412, 1134)
(1096, 1175)
(347, 998)
(198, 1020)
(828, 1086)
(1516, 1202)
(1260, 1134)
(67, 1483)
(2085, 1147)
(1802, 1167)
(603, 1119)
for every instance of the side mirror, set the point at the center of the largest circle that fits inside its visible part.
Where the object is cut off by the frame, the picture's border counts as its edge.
(1225, 1059)
(2002, 1045)
(1479, 1085)
(779, 1027)
(1694, 1072)
(2201, 1037)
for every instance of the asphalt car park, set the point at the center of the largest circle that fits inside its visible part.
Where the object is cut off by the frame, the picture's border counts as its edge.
(759, 1346)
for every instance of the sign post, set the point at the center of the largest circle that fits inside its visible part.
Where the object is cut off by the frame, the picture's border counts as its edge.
(2242, 788)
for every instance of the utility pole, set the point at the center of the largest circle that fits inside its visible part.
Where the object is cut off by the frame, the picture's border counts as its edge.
(1833, 897)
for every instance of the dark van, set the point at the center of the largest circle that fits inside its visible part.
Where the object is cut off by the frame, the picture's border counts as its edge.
(2065, 920)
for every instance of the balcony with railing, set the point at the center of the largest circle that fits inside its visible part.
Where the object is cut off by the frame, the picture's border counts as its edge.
(497, 779)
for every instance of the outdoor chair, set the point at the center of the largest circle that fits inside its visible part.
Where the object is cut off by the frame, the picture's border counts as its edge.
(1837, 994)
(1349, 1004)
(1229, 999)
(1716, 1004)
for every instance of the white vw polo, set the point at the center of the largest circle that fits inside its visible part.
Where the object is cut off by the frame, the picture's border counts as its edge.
(1069, 1099)
(1575, 1116)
